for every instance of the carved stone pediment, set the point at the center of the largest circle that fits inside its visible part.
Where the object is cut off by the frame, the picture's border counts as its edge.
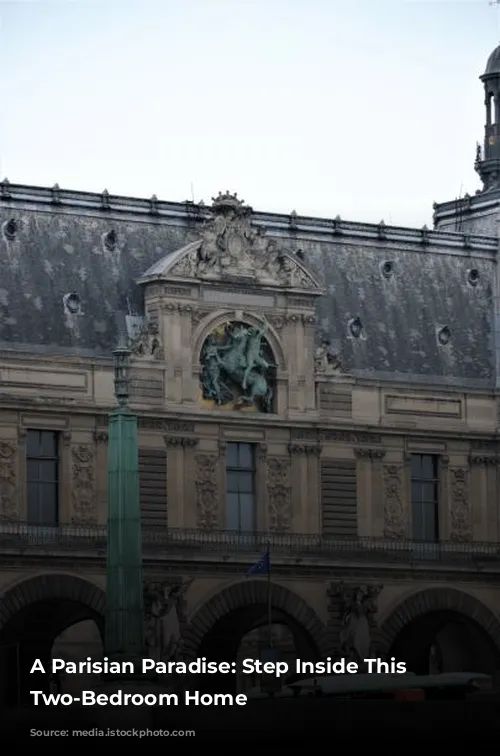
(231, 249)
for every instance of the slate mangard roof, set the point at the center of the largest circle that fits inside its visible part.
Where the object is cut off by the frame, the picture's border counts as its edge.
(407, 287)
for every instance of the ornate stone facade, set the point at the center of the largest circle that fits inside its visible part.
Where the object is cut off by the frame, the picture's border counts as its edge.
(230, 247)
(8, 480)
(278, 489)
(83, 493)
(207, 490)
(394, 514)
(460, 515)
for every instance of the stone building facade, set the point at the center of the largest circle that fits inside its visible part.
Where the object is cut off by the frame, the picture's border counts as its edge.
(325, 387)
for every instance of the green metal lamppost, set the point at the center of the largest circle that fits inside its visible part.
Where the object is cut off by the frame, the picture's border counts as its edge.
(124, 628)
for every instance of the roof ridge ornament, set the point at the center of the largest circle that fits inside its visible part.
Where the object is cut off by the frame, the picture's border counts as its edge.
(227, 203)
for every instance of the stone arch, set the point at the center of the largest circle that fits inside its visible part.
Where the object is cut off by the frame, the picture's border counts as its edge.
(437, 600)
(50, 587)
(212, 321)
(246, 593)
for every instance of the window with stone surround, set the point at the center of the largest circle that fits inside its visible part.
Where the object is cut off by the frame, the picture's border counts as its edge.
(240, 487)
(425, 497)
(42, 467)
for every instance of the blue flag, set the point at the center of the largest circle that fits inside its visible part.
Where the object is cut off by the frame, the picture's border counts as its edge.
(262, 567)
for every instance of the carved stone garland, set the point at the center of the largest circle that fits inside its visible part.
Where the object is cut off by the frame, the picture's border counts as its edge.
(278, 487)
(394, 516)
(8, 466)
(83, 495)
(207, 491)
(460, 515)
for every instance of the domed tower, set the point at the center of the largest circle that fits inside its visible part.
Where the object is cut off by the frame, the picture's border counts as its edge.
(488, 163)
(480, 213)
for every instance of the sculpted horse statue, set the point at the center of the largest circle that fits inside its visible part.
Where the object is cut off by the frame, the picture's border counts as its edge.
(239, 364)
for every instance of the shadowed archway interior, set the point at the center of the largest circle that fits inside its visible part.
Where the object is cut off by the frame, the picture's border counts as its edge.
(443, 630)
(32, 615)
(218, 628)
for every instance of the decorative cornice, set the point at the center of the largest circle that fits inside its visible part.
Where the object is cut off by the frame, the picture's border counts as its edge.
(82, 203)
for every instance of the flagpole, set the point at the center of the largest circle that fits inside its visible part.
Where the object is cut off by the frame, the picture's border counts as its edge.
(269, 599)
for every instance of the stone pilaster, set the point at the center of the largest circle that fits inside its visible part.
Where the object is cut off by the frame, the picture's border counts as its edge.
(181, 513)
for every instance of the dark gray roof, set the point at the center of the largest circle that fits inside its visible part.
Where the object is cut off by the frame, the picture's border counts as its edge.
(493, 64)
(59, 247)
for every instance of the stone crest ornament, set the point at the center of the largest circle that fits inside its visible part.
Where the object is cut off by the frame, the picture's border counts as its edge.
(230, 248)
(237, 368)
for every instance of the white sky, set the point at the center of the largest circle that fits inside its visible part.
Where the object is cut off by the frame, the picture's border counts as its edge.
(365, 108)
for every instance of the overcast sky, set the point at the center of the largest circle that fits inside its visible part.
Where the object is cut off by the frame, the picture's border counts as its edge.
(369, 109)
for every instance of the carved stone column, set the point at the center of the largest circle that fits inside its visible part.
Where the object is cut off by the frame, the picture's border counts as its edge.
(460, 505)
(101, 441)
(309, 336)
(292, 323)
(83, 489)
(188, 391)
(9, 472)
(207, 491)
(180, 474)
(279, 494)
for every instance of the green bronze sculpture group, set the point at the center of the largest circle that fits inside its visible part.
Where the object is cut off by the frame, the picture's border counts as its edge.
(235, 368)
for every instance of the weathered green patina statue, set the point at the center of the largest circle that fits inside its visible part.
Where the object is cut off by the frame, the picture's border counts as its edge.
(236, 367)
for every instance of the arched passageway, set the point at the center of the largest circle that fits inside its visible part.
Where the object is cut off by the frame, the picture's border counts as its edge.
(33, 615)
(238, 618)
(443, 630)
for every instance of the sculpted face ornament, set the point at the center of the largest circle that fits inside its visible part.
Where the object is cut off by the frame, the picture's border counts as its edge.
(237, 368)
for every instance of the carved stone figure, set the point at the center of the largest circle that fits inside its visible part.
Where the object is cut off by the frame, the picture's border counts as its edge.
(359, 606)
(279, 489)
(206, 491)
(147, 343)
(8, 463)
(230, 247)
(236, 367)
(164, 615)
(326, 359)
(83, 494)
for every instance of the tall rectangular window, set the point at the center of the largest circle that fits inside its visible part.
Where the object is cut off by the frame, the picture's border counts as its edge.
(42, 462)
(240, 487)
(424, 497)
